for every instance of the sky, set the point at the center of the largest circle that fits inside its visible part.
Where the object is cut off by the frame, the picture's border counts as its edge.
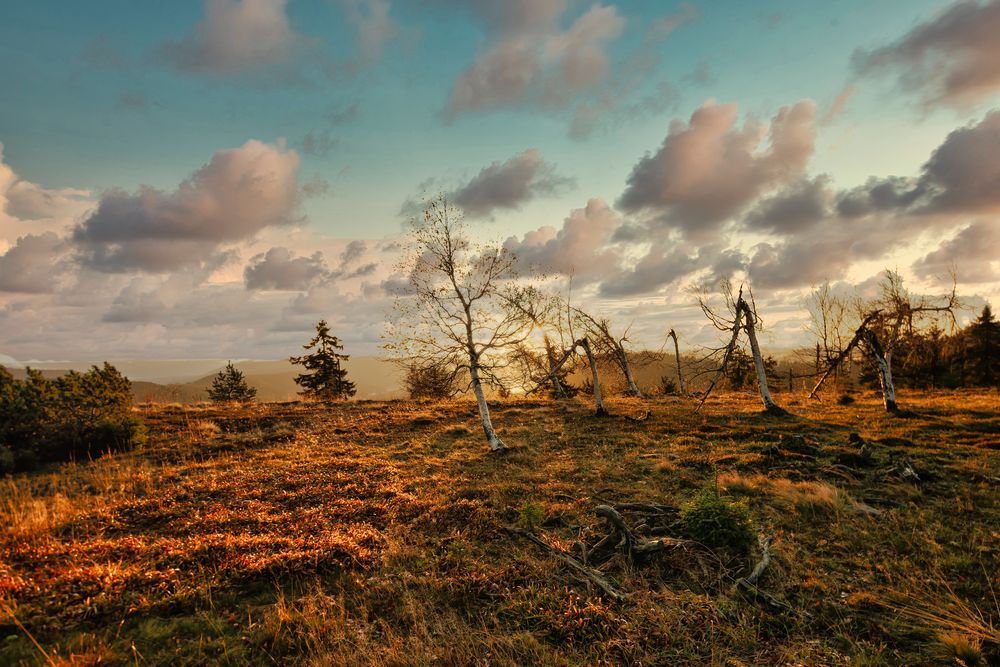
(208, 178)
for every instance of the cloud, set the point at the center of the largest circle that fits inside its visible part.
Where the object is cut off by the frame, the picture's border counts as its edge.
(579, 248)
(708, 170)
(353, 252)
(662, 264)
(29, 201)
(836, 108)
(374, 28)
(626, 96)
(280, 269)
(510, 184)
(961, 176)
(319, 143)
(963, 173)
(236, 37)
(951, 60)
(974, 253)
(29, 266)
(793, 210)
(701, 75)
(240, 192)
(608, 109)
(530, 60)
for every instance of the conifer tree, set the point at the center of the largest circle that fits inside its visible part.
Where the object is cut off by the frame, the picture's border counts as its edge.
(981, 356)
(230, 385)
(327, 379)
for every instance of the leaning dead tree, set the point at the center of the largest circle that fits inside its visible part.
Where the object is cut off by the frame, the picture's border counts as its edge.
(579, 346)
(883, 322)
(463, 306)
(739, 316)
(537, 367)
(607, 345)
(677, 358)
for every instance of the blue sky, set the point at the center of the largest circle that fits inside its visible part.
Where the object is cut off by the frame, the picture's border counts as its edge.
(110, 96)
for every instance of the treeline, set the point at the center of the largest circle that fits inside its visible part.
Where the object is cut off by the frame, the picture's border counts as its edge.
(933, 358)
(75, 416)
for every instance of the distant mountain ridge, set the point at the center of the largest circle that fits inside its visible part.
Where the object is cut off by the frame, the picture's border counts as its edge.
(186, 381)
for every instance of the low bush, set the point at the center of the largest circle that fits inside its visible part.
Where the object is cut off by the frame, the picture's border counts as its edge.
(78, 415)
(718, 523)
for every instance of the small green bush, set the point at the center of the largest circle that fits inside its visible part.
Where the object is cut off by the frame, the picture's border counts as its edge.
(530, 515)
(718, 523)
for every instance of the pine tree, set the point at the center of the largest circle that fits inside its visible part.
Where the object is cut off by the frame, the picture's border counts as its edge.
(327, 379)
(230, 385)
(981, 354)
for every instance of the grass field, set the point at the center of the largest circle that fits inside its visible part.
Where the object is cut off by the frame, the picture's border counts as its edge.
(374, 533)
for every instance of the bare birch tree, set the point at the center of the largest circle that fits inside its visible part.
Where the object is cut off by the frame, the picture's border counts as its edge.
(883, 321)
(464, 307)
(739, 315)
(607, 345)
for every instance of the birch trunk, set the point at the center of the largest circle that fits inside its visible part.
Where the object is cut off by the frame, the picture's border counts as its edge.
(496, 444)
(677, 358)
(633, 388)
(758, 361)
(598, 395)
(884, 368)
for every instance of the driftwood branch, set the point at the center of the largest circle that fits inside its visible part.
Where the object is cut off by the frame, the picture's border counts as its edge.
(749, 583)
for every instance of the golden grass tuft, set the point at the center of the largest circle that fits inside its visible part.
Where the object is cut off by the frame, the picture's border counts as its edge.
(803, 496)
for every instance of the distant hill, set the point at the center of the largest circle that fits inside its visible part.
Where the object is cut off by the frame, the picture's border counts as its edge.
(376, 379)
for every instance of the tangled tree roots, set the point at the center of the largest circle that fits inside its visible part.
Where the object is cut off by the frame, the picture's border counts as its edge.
(637, 545)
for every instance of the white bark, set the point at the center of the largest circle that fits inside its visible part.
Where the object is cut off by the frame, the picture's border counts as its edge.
(758, 360)
(633, 388)
(598, 395)
(884, 369)
(496, 443)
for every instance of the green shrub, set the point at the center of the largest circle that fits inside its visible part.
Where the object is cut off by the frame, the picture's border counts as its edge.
(718, 523)
(78, 415)
(530, 515)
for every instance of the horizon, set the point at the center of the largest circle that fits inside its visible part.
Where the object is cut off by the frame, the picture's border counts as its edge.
(207, 180)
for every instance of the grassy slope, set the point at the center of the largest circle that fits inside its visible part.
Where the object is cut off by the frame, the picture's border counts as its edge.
(373, 533)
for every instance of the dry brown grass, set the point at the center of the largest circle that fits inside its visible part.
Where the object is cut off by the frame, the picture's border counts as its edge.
(372, 533)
